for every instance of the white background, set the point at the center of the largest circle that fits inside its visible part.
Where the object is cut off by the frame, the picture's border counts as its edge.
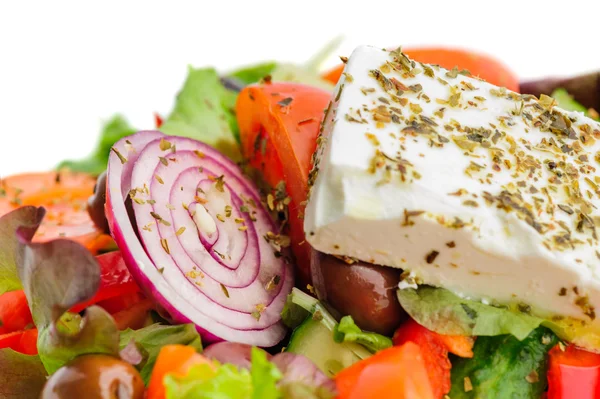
(65, 66)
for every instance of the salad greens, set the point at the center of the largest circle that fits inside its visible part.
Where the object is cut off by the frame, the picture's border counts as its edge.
(566, 101)
(113, 130)
(21, 376)
(446, 313)
(149, 340)
(204, 110)
(56, 276)
(26, 219)
(504, 367)
(348, 331)
(227, 381)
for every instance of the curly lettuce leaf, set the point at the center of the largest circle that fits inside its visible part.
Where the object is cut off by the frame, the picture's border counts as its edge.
(57, 275)
(27, 219)
(254, 73)
(348, 331)
(227, 381)
(149, 340)
(204, 110)
(567, 102)
(504, 367)
(113, 130)
(21, 376)
(446, 313)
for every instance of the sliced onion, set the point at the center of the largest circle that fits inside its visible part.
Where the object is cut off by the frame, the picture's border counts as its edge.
(205, 248)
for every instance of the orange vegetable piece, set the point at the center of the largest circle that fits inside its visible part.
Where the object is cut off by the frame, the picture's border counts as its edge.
(177, 359)
(480, 65)
(279, 124)
(399, 372)
(64, 195)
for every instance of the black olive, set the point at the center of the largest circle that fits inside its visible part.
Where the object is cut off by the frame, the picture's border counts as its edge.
(362, 290)
(95, 206)
(95, 377)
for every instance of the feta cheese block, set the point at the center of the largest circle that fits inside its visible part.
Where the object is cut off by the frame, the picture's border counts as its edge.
(464, 185)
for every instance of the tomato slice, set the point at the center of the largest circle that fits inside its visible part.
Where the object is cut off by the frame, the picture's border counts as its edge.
(434, 352)
(399, 372)
(64, 195)
(279, 124)
(14, 312)
(21, 341)
(573, 374)
(481, 65)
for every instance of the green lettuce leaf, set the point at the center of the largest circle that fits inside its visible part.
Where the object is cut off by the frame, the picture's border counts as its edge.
(567, 102)
(149, 340)
(21, 376)
(446, 313)
(254, 73)
(115, 129)
(57, 275)
(504, 367)
(28, 219)
(348, 331)
(204, 110)
(227, 381)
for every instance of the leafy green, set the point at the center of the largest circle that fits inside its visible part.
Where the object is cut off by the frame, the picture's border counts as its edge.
(227, 381)
(28, 219)
(293, 314)
(254, 73)
(21, 376)
(348, 331)
(115, 129)
(567, 102)
(204, 110)
(302, 378)
(446, 313)
(57, 275)
(149, 340)
(307, 73)
(504, 367)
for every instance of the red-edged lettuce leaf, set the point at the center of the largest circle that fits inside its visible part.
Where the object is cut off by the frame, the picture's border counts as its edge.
(21, 376)
(27, 219)
(57, 275)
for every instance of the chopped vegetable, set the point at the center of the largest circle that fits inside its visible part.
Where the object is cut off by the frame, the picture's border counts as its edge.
(21, 341)
(399, 372)
(64, 195)
(204, 111)
(234, 353)
(302, 379)
(348, 331)
(206, 250)
(176, 361)
(573, 373)
(279, 141)
(56, 275)
(478, 64)
(114, 130)
(21, 376)
(504, 367)
(149, 340)
(433, 351)
(14, 312)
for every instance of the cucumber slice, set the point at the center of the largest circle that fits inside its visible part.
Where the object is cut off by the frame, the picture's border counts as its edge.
(314, 340)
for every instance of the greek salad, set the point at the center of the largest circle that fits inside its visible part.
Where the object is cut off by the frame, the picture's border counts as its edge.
(414, 223)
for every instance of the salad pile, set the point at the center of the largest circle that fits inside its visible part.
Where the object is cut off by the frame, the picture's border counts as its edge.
(175, 263)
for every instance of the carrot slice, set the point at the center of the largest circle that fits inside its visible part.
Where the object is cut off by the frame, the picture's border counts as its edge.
(64, 195)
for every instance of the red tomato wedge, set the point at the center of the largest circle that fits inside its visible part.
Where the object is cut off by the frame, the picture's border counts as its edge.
(434, 352)
(279, 124)
(480, 65)
(21, 341)
(573, 374)
(14, 312)
(64, 195)
(176, 359)
(399, 372)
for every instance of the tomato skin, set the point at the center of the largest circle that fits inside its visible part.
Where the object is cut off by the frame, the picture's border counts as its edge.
(21, 341)
(398, 372)
(480, 65)
(279, 124)
(14, 312)
(573, 374)
(434, 352)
